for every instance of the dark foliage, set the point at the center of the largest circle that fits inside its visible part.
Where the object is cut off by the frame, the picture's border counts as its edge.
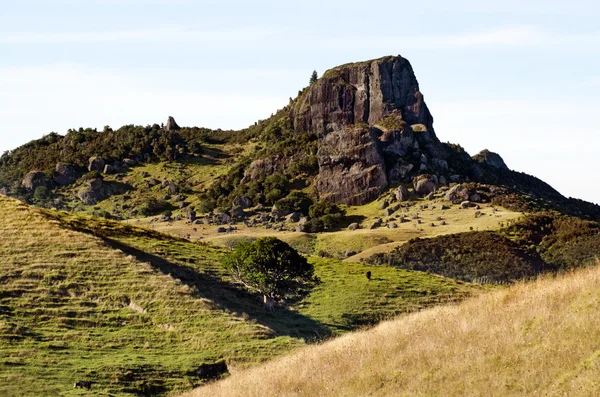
(467, 256)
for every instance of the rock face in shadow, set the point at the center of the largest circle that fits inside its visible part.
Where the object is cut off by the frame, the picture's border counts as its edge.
(351, 166)
(368, 116)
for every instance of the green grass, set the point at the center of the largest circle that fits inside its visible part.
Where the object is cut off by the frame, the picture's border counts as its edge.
(134, 310)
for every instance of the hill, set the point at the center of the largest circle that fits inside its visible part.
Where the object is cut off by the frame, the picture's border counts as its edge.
(136, 311)
(536, 338)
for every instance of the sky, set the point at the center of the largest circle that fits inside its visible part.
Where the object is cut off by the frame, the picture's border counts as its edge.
(519, 78)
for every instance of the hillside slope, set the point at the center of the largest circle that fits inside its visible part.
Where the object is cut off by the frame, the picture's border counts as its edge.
(136, 311)
(541, 338)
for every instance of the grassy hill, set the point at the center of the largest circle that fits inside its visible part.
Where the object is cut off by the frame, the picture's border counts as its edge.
(134, 310)
(538, 338)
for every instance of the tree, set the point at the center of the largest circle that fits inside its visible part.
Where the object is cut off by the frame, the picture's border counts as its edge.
(313, 77)
(270, 267)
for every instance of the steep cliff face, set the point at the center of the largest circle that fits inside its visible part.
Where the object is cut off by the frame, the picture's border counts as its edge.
(373, 127)
(364, 92)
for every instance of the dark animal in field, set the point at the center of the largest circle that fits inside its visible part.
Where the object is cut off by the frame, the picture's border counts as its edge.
(84, 384)
(211, 371)
(368, 274)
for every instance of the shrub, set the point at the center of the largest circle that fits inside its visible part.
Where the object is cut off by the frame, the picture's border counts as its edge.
(295, 201)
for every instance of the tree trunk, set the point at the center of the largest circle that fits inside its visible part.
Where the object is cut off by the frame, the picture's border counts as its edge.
(269, 302)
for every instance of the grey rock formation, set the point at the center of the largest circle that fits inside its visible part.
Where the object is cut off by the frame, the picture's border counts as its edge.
(34, 179)
(401, 193)
(242, 202)
(351, 167)
(490, 158)
(457, 194)
(95, 183)
(89, 196)
(424, 185)
(96, 164)
(361, 111)
(171, 125)
(65, 174)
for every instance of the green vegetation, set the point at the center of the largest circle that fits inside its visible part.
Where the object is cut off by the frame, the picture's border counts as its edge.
(270, 267)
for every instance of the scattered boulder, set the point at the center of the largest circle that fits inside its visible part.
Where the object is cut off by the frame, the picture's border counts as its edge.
(129, 162)
(457, 194)
(153, 182)
(34, 179)
(353, 226)
(65, 174)
(293, 217)
(467, 204)
(89, 196)
(439, 163)
(424, 185)
(222, 219)
(376, 224)
(221, 230)
(95, 183)
(109, 169)
(383, 205)
(242, 202)
(443, 180)
(349, 253)
(172, 188)
(475, 197)
(401, 193)
(144, 174)
(96, 164)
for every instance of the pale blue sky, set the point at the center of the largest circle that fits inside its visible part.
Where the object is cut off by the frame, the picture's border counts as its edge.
(517, 77)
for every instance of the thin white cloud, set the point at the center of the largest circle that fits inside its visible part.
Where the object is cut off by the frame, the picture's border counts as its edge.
(509, 36)
(165, 33)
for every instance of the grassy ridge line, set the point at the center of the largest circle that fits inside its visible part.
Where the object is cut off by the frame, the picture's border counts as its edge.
(538, 338)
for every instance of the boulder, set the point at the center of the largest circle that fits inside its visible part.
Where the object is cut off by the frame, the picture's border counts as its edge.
(383, 205)
(349, 253)
(128, 162)
(109, 169)
(96, 164)
(191, 215)
(222, 219)
(34, 179)
(237, 212)
(424, 185)
(475, 197)
(467, 204)
(293, 217)
(95, 183)
(153, 182)
(401, 193)
(353, 226)
(443, 180)
(172, 188)
(457, 194)
(242, 202)
(65, 174)
(376, 224)
(439, 163)
(89, 196)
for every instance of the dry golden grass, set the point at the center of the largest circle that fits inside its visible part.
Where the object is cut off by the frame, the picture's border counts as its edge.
(540, 338)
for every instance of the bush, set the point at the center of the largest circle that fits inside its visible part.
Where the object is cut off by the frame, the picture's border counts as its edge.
(153, 206)
(270, 267)
(295, 201)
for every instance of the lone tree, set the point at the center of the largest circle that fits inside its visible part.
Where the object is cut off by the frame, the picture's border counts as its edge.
(313, 77)
(270, 267)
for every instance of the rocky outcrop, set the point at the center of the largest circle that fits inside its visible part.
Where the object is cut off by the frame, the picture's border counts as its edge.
(171, 125)
(351, 166)
(34, 179)
(365, 92)
(490, 158)
(65, 174)
(373, 127)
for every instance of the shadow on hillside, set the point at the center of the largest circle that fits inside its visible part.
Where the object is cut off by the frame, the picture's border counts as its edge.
(228, 297)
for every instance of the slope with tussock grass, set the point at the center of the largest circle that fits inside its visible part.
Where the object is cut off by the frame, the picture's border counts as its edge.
(538, 338)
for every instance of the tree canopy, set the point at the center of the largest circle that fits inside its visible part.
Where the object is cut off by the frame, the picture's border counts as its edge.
(270, 267)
